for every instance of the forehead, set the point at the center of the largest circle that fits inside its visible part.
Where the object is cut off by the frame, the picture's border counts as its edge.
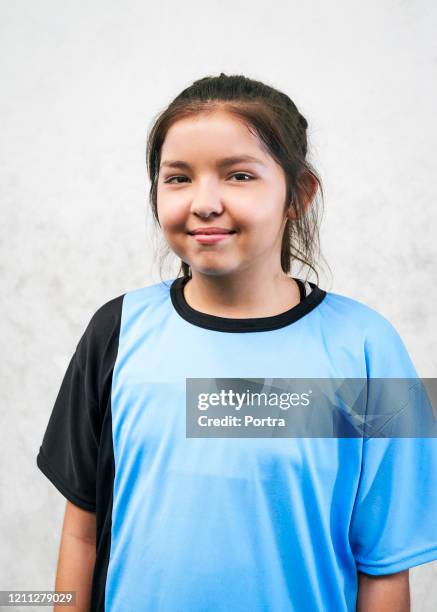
(213, 134)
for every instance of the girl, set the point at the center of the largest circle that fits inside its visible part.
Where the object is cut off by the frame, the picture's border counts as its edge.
(161, 520)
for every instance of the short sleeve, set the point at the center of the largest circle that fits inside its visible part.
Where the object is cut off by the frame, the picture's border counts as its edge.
(68, 453)
(394, 519)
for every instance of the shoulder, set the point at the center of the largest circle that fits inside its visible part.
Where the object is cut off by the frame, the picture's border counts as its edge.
(384, 350)
(104, 323)
(348, 311)
(148, 296)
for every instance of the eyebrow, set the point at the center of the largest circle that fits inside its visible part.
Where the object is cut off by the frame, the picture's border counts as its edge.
(222, 163)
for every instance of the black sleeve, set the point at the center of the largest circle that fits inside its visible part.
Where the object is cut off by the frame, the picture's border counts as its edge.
(69, 451)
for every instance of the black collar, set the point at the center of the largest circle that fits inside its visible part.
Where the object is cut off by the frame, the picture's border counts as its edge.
(227, 324)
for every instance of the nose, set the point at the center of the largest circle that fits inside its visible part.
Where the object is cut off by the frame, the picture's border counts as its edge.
(206, 202)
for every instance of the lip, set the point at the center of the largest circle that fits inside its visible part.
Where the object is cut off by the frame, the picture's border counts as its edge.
(211, 230)
(212, 238)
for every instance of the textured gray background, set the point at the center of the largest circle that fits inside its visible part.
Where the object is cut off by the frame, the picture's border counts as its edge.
(81, 83)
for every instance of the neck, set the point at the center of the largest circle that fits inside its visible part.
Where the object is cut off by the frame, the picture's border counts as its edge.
(242, 295)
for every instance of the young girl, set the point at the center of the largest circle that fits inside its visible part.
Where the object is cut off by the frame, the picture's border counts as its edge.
(159, 521)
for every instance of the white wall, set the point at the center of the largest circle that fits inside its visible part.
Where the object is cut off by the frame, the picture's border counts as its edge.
(81, 84)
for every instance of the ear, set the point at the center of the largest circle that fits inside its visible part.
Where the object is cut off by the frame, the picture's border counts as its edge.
(307, 188)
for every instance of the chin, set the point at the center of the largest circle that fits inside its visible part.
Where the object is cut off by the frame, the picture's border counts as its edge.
(209, 271)
(213, 264)
(213, 270)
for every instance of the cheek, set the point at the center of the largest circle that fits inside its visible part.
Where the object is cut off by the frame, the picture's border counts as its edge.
(261, 203)
(258, 215)
(172, 216)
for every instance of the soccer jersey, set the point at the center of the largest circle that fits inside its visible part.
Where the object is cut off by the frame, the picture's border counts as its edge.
(231, 523)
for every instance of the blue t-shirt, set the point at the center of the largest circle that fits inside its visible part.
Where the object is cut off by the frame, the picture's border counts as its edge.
(229, 523)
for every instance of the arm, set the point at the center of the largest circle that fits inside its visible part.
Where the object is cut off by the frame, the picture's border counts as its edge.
(388, 593)
(77, 556)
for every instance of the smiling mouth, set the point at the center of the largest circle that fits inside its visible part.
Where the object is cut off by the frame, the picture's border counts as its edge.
(211, 238)
(208, 232)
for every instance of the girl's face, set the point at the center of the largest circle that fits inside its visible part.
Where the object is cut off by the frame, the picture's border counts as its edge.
(200, 186)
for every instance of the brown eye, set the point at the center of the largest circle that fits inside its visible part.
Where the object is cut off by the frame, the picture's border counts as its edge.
(242, 174)
(169, 180)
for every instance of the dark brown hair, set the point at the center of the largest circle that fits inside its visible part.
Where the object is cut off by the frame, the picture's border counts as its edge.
(281, 129)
